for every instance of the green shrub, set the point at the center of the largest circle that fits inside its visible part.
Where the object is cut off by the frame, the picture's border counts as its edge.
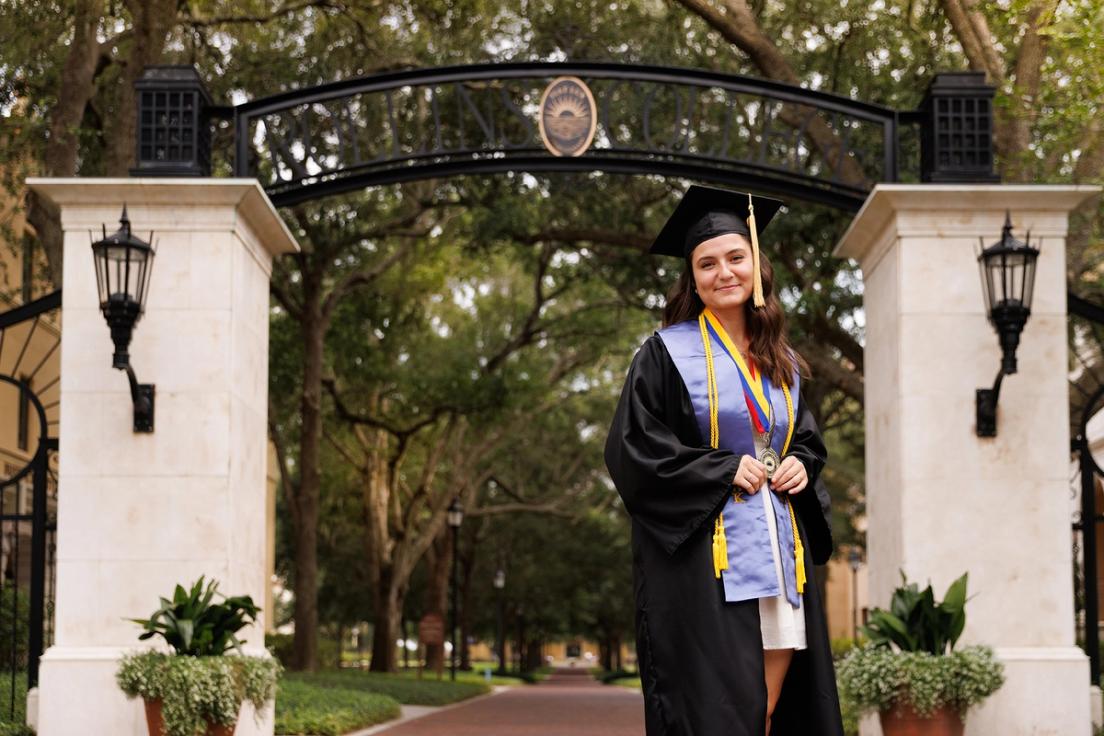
(9, 717)
(876, 678)
(850, 714)
(282, 647)
(403, 689)
(612, 675)
(843, 645)
(194, 690)
(15, 618)
(307, 707)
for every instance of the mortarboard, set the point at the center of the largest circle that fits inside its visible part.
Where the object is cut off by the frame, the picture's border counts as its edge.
(706, 212)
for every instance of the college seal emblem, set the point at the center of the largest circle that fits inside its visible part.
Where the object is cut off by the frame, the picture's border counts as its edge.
(568, 117)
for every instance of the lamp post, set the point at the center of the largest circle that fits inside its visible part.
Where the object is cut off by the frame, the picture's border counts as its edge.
(499, 584)
(455, 519)
(1008, 280)
(854, 558)
(123, 264)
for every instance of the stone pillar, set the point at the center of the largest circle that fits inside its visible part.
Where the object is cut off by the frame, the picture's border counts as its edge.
(940, 500)
(139, 513)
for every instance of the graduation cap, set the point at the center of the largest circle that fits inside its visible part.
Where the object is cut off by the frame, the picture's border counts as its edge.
(706, 212)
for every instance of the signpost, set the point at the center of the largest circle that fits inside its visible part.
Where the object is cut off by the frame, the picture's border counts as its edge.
(431, 631)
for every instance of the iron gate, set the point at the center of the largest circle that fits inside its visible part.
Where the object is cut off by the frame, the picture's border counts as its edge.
(29, 389)
(1086, 340)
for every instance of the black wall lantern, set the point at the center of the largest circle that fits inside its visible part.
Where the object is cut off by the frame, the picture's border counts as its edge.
(123, 264)
(1008, 280)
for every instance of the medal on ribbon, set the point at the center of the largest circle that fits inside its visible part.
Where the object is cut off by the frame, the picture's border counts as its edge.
(756, 393)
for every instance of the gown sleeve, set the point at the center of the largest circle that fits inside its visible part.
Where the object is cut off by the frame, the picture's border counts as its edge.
(812, 504)
(670, 483)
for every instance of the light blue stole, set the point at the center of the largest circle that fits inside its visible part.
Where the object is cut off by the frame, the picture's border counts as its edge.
(750, 572)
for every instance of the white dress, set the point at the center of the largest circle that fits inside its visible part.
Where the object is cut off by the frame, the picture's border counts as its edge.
(782, 625)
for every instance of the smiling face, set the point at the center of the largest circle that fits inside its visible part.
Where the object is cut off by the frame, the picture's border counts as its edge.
(723, 271)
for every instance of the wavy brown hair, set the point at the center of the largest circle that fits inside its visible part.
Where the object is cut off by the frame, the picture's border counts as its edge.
(769, 347)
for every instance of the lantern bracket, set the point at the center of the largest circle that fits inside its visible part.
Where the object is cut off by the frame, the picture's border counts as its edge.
(141, 395)
(987, 399)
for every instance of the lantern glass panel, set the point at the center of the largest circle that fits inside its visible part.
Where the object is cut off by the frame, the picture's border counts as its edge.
(101, 276)
(1029, 280)
(992, 280)
(126, 265)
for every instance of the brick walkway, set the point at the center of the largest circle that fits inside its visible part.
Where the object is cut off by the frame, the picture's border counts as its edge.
(568, 703)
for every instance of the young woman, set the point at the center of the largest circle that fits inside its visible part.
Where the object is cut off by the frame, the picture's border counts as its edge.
(716, 457)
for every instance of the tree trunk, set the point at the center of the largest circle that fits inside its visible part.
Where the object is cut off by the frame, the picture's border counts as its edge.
(605, 653)
(305, 657)
(439, 563)
(533, 655)
(467, 565)
(389, 606)
(520, 649)
(76, 89)
(152, 21)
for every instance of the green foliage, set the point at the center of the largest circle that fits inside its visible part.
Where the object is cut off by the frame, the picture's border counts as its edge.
(13, 714)
(14, 627)
(282, 647)
(305, 706)
(916, 623)
(876, 678)
(843, 645)
(197, 690)
(404, 689)
(196, 626)
(614, 675)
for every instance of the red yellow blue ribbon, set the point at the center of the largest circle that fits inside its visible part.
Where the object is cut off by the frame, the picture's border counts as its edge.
(755, 392)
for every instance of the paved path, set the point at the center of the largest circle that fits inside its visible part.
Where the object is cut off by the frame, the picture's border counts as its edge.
(568, 703)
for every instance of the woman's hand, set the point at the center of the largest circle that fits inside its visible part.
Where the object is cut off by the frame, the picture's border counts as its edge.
(790, 477)
(750, 476)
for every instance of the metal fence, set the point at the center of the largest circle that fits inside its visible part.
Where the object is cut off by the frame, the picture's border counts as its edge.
(29, 390)
(1086, 350)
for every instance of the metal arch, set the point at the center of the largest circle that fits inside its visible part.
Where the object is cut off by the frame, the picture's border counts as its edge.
(26, 311)
(44, 429)
(1086, 414)
(763, 179)
(499, 158)
(529, 70)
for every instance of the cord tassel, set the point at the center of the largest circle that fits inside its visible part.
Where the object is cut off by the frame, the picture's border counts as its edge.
(799, 552)
(720, 547)
(756, 277)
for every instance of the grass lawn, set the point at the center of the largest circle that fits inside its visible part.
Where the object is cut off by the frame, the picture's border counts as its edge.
(475, 675)
(404, 688)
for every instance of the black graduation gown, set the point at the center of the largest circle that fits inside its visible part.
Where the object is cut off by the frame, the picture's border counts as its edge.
(700, 657)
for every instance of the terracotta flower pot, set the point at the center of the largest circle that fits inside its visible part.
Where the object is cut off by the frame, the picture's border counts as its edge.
(902, 720)
(156, 722)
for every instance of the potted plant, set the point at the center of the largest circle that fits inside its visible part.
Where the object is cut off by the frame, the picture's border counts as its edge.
(199, 688)
(909, 670)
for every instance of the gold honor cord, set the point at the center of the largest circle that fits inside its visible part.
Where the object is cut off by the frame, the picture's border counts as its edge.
(720, 544)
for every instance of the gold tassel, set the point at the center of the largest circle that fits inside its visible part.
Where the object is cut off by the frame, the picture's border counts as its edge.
(720, 547)
(756, 278)
(799, 551)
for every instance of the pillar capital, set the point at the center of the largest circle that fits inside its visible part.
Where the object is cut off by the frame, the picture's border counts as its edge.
(965, 210)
